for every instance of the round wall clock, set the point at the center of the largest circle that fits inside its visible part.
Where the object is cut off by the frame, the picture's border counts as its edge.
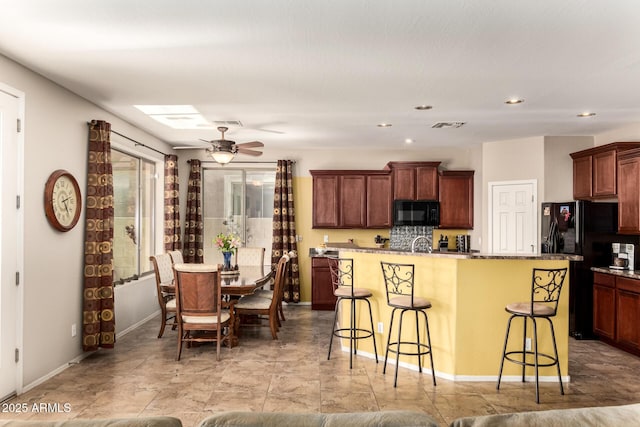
(62, 200)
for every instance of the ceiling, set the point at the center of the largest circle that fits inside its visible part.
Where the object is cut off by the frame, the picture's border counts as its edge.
(324, 73)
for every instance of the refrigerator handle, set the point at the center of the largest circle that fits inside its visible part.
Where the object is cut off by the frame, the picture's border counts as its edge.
(578, 226)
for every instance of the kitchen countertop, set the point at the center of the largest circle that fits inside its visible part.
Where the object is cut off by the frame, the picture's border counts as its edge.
(458, 255)
(631, 274)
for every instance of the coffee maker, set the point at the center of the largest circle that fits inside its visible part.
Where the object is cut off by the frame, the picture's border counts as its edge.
(622, 256)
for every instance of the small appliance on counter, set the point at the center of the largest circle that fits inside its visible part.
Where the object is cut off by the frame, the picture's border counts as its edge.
(443, 244)
(463, 243)
(622, 256)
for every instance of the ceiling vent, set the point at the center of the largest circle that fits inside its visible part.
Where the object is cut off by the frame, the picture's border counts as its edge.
(228, 123)
(442, 125)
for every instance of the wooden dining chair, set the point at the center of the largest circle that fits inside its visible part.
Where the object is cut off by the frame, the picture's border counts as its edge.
(260, 306)
(268, 293)
(199, 306)
(165, 289)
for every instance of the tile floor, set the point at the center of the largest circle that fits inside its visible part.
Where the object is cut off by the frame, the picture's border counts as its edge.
(141, 378)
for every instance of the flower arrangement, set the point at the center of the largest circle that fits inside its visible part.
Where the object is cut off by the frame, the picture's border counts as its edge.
(227, 242)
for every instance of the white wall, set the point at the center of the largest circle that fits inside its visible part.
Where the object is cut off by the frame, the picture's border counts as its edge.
(558, 165)
(623, 134)
(55, 132)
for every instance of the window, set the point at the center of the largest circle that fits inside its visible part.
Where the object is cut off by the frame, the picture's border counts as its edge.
(134, 181)
(238, 201)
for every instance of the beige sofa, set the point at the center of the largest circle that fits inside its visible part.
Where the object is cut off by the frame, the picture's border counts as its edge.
(113, 422)
(353, 419)
(609, 416)
(606, 416)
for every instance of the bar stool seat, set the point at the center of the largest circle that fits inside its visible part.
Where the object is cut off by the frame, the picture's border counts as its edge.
(342, 280)
(399, 285)
(546, 285)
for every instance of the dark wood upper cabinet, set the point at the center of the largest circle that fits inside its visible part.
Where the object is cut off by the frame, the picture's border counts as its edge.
(379, 201)
(456, 199)
(629, 192)
(595, 171)
(414, 180)
(325, 201)
(351, 199)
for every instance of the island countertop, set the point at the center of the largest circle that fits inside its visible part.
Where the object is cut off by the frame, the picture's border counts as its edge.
(457, 255)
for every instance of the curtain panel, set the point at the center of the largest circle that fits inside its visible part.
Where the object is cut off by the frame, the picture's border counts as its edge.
(172, 240)
(284, 228)
(98, 324)
(194, 225)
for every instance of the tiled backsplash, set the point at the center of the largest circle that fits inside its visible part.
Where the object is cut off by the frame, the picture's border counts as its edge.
(402, 236)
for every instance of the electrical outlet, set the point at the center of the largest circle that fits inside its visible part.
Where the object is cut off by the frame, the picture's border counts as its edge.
(380, 327)
(527, 345)
(73, 330)
(326, 238)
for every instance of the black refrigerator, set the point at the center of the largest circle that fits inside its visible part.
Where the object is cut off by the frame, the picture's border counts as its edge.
(587, 229)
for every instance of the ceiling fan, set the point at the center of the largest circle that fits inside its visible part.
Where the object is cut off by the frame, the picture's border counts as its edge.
(224, 150)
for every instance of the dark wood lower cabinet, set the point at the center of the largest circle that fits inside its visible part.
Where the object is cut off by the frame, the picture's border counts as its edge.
(604, 309)
(628, 313)
(616, 311)
(322, 297)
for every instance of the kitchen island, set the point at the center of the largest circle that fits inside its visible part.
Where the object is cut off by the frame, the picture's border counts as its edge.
(468, 293)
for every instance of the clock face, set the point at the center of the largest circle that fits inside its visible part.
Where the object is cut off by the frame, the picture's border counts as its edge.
(65, 202)
(62, 200)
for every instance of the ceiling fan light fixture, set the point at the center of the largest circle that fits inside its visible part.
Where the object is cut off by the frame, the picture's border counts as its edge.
(222, 157)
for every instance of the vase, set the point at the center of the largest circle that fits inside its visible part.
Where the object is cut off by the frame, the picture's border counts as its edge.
(227, 260)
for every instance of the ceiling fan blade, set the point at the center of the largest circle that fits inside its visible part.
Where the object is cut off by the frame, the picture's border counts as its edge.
(190, 147)
(250, 144)
(249, 152)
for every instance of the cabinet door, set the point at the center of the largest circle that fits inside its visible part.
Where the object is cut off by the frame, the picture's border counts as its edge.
(604, 174)
(628, 319)
(379, 201)
(456, 199)
(629, 196)
(325, 201)
(353, 202)
(604, 309)
(322, 297)
(426, 183)
(404, 183)
(582, 176)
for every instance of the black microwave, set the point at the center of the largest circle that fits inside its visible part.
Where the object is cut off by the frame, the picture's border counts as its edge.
(416, 212)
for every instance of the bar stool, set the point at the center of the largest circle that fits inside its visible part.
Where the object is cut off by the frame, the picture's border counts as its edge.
(342, 280)
(546, 285)
(398, 280)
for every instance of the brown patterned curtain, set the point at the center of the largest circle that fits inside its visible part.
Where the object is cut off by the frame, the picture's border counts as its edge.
(172, 241)
(194, 226)
(284, 228)
(98, 318)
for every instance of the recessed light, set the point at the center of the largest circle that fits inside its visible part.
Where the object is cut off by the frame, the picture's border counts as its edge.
(423, 107)
(408, 141)
(586, 114)
(514, 101)
(384, 125)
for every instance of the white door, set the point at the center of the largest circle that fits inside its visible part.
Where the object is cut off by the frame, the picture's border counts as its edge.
(513, 217)
(9, 107)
